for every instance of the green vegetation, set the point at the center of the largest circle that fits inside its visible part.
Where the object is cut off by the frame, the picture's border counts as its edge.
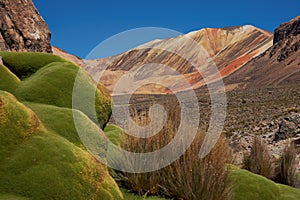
(11, 197)
(53, 85)
(42, 156)
(61, 121)
(249, 186)
(260, 162)
(114, 133)
(104, 100)
(39, 164)
(24, 64)
(47, 166)
(132, 196)
(17, 123)
(9, 82)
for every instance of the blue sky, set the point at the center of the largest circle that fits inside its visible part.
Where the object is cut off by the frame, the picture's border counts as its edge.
(78, 26)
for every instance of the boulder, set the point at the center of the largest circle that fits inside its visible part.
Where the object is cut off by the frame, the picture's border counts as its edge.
(288, 127)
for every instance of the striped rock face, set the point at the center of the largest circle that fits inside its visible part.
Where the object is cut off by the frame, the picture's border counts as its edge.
(230, 49)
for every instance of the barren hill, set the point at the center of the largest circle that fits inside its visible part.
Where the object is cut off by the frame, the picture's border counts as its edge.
(230, 49)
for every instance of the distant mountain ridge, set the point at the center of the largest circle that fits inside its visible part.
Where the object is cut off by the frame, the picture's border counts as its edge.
(246, 57)
(230, 49)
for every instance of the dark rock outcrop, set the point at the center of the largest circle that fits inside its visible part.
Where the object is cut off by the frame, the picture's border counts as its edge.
(287, 39)
(22, 28)
(278, 66)
(289, 127)
(285, 30)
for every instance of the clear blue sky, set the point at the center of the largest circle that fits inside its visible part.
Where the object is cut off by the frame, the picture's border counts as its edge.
(77, 26)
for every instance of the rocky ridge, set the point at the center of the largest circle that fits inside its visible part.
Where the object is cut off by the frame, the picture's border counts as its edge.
(277, 66)
(22, 28)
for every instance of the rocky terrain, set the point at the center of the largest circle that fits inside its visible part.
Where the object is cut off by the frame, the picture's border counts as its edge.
(22, 28)
(271, 113)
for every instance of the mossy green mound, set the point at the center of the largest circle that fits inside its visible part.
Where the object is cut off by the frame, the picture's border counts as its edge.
(131, 196)
(17, 123)
(24, 64)
(11, 197)
(114, 134)
(249, 186)
(53, 85)
(49, 167)
(61, 121)
(103, 99)
(9, 81)
(41, 164)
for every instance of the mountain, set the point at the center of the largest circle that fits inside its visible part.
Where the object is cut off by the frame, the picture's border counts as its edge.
(278, 66)
(230, 48)
(22, 28)
(75, 59)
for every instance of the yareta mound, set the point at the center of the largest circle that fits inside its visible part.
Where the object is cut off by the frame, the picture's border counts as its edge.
(17, 124)
(61, 121)
(24, 64)
(115, 134)
(9, 81)
(51, 80)
(249, 186)
(11, 197)
(40, 164)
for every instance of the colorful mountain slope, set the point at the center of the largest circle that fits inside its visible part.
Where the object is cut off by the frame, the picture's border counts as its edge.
(229, 48)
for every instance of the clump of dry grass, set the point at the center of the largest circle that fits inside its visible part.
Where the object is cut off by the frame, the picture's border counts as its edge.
(287, 166)
(193, 178)
(189, 177)
(259, 160)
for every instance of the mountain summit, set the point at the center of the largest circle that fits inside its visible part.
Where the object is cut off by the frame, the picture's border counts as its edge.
(230, 48)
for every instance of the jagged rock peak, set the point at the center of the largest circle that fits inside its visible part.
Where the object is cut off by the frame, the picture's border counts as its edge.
(22, 28)
(290, 28)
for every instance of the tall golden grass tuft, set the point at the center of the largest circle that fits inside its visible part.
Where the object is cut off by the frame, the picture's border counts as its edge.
(189, 177)
(259, 161)
(193, 178)
(287, 166)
